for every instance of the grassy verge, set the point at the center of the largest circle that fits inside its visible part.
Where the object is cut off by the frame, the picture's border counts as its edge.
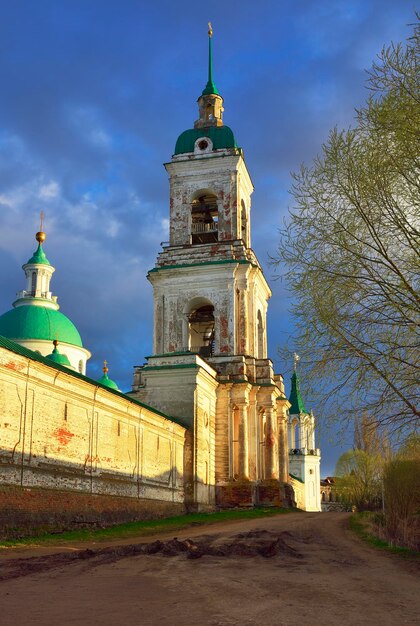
(145, 527)
(362, 524)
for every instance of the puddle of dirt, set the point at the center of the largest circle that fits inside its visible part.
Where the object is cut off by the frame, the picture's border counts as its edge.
(256, 543)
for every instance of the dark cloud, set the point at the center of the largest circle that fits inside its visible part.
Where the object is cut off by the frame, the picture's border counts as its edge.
(94, 95)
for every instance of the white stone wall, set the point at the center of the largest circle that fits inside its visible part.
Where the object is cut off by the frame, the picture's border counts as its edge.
(60, 431)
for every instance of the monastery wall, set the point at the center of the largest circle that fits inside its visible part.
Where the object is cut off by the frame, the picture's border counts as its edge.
(61, 431)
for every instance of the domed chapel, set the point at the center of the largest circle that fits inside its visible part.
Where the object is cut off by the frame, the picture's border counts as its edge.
(207, 422)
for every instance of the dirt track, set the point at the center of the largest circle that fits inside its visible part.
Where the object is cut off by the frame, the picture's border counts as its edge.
(272, 571)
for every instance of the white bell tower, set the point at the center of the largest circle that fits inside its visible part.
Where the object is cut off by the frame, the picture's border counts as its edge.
(304, 457)
(209, 365)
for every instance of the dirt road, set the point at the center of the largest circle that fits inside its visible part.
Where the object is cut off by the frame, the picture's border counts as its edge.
(283, 570)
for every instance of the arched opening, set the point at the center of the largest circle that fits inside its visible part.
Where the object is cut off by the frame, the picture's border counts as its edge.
(33, 284)
(244, 225)
(235, 442)
(294, 434)
(201, 330)
(80, 366)
(260, 336)
(204, 218)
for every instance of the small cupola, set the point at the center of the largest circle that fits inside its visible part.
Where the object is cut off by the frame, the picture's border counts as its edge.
(105, 380)
(57, 357)
(210, 103)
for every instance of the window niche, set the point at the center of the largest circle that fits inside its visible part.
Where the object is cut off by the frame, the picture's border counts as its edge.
(201, 330)
(204, 219)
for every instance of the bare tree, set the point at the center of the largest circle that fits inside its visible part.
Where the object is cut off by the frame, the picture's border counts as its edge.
(351, 252)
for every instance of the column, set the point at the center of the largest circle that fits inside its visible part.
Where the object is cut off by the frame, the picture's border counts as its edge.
(243, 442)
(270, 445)
(283, 449)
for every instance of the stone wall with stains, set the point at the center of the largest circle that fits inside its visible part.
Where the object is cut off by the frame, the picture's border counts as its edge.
(60, 430)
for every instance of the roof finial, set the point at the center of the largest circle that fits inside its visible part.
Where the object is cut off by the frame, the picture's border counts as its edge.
(210, 87)
(105, 369)
(41, 236)
(296, 359)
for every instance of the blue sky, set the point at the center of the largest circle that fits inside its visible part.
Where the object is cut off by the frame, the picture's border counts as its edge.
(94, 95)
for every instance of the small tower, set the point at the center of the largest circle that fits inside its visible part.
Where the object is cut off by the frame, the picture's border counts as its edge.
(35, 321)
(304, 457)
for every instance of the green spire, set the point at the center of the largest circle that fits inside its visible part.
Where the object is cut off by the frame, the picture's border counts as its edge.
(295, 398)
(39, 256)
(210, 87)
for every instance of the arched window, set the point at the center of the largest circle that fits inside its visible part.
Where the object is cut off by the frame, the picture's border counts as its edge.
(201, 330)
(33, 284)
(294, 434)
(80, 366)
(244, 224)
(204, 218)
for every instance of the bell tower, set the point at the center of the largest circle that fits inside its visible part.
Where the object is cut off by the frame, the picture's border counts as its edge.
(209, 290)
(210, 309)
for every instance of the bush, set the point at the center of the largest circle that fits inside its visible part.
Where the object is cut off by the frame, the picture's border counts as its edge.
(402, 502)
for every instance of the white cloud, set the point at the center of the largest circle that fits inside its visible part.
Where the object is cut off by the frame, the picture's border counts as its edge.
(49, 190)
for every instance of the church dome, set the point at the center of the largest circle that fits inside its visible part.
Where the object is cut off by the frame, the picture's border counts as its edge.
(57, 357)
(38, 322)
(221, 136)
(105, 380)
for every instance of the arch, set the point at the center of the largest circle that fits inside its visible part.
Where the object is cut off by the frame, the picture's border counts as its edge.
(201, 327)
(294, 433)
(244, 224)
(260, 336)
(204, 217)
(33, 283)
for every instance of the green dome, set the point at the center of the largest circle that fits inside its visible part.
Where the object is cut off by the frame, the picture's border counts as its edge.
(59, 358)
(39, 257)
(108, 382)
(221, 136)
(38, 322)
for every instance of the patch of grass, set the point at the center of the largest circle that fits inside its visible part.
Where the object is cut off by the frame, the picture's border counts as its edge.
(145, 527)
(362, 525)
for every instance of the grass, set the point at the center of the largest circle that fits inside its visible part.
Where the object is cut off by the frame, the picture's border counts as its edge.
(362, 525)
(144, 527)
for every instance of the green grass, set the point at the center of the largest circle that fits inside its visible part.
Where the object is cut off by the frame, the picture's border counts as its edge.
(145, 527)
(360, 524)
